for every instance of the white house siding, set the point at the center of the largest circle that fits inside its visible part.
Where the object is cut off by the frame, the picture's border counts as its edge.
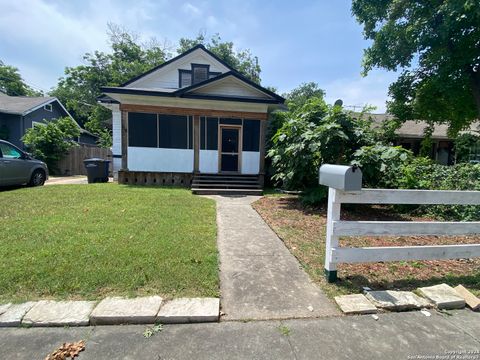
(161, 160)
(208, 161)
(250, 162)
(167, 77)
(116, 141)
(231, 86)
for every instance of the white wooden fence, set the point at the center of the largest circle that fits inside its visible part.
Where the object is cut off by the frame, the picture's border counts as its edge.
(336, 227)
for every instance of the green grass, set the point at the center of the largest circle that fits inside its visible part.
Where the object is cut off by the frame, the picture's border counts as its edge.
(89, 241)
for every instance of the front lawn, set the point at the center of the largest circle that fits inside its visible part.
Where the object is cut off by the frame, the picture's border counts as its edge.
(90, 241)
(303, 232)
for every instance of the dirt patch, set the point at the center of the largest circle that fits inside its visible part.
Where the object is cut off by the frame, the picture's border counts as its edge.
(303, 232)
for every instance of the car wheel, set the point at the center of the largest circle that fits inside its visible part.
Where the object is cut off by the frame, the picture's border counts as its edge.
(38, 178)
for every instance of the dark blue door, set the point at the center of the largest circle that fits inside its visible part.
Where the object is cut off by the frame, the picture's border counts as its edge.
(229, 149)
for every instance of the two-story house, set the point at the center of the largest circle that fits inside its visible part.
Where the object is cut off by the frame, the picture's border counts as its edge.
(193, 120)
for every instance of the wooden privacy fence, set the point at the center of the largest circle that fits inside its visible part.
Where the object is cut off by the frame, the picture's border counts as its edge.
(72, 163)
(336, 227)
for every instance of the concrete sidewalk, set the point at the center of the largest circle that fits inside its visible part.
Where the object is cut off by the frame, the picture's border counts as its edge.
(259, 277)
(393, 336)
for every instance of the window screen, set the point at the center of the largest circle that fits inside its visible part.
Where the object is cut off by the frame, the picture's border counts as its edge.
(203, 132)
(185, 78)
(200, 73)
(231, 121)
(251, 135)
(142, 130)
(173, 131)
(212, 133)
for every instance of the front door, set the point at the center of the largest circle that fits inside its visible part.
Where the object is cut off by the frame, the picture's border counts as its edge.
(229, 149)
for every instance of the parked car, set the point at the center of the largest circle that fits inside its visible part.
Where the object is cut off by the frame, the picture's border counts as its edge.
(18, 167)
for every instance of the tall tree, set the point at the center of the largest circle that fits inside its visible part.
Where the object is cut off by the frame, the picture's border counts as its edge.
(80, 87)
(436, 44)
(12, 84)
(241, 60)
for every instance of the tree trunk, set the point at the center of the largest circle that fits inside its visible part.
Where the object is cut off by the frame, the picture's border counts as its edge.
(475, 85)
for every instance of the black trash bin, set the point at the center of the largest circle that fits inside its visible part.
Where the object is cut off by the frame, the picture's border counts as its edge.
(97, 170)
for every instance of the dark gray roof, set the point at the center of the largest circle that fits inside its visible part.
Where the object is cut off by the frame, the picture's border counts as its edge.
(21, 104)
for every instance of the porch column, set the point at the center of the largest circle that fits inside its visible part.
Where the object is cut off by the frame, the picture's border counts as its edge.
(263, 131)
(196, 143)
(124, 140)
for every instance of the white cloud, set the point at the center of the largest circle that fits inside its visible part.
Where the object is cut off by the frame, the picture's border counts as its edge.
(191, 10)
(360, 91)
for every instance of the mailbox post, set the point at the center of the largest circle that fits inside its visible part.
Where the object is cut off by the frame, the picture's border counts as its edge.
(337, 178)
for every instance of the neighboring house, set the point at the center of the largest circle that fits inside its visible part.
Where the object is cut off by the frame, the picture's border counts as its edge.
(192, 115)
(19, 113)
(411, 134)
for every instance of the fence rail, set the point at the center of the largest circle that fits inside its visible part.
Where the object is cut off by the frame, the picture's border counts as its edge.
(336, 228)
(72, 163)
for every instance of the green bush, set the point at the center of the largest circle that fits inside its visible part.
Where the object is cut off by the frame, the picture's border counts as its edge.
(381, 164)
(423, 173)
(51, 140)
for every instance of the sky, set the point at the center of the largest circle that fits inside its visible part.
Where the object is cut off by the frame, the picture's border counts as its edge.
(295, 41)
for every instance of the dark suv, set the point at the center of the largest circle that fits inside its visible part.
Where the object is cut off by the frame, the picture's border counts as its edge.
(18, 168)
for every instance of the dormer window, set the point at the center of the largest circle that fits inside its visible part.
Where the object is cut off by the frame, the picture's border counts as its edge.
(197, 74)
(200, 73)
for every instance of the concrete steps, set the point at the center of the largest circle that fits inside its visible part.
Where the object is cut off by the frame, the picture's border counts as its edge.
(226, 184)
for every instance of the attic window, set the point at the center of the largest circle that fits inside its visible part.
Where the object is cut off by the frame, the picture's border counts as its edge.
(48, 107)
(200, 73)
(185, 78)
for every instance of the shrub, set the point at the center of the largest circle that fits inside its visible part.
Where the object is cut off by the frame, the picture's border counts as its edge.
(311, 135)
(51, 140)
(381, 164)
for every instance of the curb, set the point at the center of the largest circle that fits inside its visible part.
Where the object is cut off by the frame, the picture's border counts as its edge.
(110, 311)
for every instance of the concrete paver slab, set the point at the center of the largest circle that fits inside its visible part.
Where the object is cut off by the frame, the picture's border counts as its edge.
(15, 313)
(443, 296)
(259, 277)
(116, 310)
(4, 307)
(59, 313)
(355, 304)
(396, 300)
(471, 300)
(186, 310)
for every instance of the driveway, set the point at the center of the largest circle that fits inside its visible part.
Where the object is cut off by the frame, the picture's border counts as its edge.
(66, 180)
(259, 277)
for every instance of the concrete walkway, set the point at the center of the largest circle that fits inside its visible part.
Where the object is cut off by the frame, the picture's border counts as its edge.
(393, 336)
(259, 278)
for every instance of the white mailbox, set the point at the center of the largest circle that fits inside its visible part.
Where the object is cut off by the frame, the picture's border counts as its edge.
(341, 177)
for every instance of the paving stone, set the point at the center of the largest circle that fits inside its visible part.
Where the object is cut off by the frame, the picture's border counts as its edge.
(14, 314)
(443, 296)
(116, 310)
(355, 304)
(59, 313)
(472, 301)
(4, 307)
(396, 300)
(187, 310)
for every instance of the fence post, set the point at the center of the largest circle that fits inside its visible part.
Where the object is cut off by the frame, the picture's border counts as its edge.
(333, 214)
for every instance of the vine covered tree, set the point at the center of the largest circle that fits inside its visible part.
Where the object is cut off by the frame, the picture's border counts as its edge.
(436, 45)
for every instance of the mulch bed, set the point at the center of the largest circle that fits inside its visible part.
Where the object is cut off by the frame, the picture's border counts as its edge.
(303, 232)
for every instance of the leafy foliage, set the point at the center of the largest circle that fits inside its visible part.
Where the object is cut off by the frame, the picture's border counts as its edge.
(436, 44)
(80, 87)
(12, 84)
(51, 140)
(464, 145)
(311, 135)
(423, 173)
(381, 164)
